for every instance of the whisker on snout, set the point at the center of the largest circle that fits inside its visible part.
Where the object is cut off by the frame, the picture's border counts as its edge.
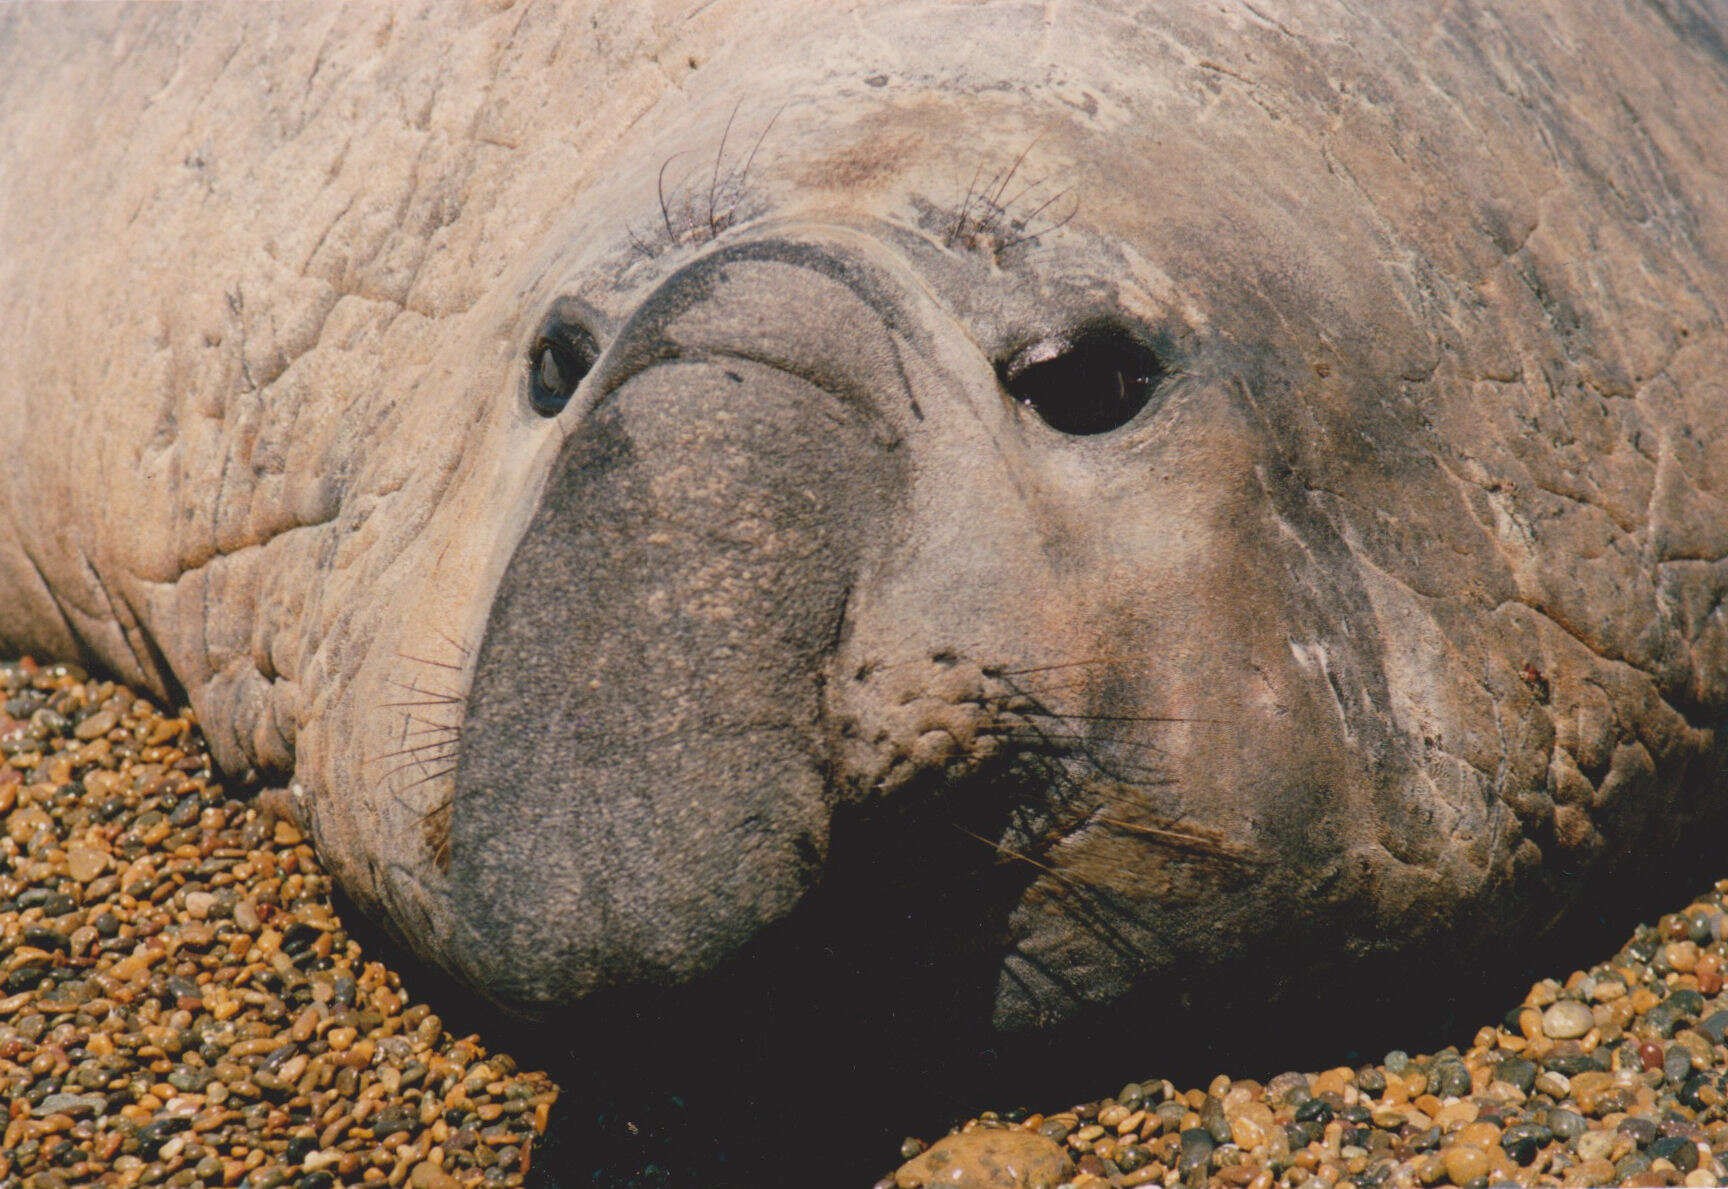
(1091, 662)
(427, 737)
(1009, 852)
(419, 762)
(434, 697)
(1075, 748)
(1074, 744)
(1186, 840)
(430, 776)
(445, 745)
(1091, 904)
(464, 649)
(423, 726)
(421, 660)
(1078, 716)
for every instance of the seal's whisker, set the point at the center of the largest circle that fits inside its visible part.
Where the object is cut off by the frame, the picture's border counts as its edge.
(437, 696)
(1186, 840)
(428, 724)
(1025, 227)
(1026, 705)
(1066, 740)
(1046, 205)
(744, 173)
(660, 193)
(959, 229)
(714, 176)
(1053, 747)
(995, 199)
(1002, 848)
(430, 776)
(405, 765)
(1094, 771)
(1090, 899)
(1060, 688)
(1026, 223)
(420, 660)
(397, 771)
(737, 182)
(1134, 776)
(692, 214)
(1028, 188)
(1078, 716)
(1100, 660)
(1055, 683)
(464, 649)
(416, 723)
(1126, 775)
(1140, 785)
(438, 732)
(445, 745)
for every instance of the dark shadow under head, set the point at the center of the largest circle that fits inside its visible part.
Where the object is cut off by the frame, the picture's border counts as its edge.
(839, 1033)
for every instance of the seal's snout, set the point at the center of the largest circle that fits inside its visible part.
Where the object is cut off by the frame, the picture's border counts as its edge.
(642, 782)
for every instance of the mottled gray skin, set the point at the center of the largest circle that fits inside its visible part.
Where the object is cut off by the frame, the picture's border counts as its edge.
(1395, 617)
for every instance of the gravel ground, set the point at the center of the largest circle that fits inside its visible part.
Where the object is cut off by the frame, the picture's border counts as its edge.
(1613, 1076)
(179, 1004)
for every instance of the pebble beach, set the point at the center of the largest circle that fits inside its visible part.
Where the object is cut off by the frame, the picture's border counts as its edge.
(181, 1005)
(1615, 1075)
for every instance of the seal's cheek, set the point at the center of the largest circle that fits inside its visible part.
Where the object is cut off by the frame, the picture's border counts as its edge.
(1224, 803)
(1165, 639)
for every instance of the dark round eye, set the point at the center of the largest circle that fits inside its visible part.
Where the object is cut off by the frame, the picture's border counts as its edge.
(1091, 381)
(561, 356)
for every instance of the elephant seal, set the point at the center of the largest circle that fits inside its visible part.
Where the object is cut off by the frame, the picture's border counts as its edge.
(1205, 486)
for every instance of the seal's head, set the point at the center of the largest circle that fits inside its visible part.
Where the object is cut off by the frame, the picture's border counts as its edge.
(1099, 480)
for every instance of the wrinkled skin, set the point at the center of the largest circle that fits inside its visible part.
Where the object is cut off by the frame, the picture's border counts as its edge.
(1394, 617)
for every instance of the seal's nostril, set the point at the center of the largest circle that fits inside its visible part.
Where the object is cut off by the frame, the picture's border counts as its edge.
(1088, 382)
(563, 352)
